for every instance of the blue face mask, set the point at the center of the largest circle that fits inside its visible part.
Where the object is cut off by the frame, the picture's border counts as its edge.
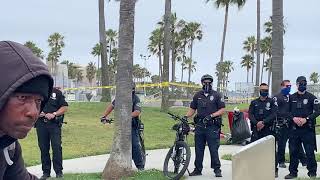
(286, 91)
(264, 93)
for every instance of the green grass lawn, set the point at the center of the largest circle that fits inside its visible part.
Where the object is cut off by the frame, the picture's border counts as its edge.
(84, 135)
(144, 175)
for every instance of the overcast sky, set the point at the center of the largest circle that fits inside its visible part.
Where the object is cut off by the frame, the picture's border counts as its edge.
(78, 21)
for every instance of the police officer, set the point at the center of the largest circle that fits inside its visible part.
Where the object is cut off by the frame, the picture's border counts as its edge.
(262, 112)
(136, 110)
(210, 106)
(49, 130)
(282, 123)
(304, 109)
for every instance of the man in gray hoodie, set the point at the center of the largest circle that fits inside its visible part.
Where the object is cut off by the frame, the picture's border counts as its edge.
(25, 85)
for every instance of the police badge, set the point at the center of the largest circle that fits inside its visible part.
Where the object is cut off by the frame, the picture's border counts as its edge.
(211, 98)
(305, 101)
(54, 96)
(268, 106)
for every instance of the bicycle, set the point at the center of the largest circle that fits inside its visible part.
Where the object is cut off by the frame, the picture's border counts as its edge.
(105, 120)
(180, 152)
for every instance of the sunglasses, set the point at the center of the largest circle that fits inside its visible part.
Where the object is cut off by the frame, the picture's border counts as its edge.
(288, 86)
(303, 83)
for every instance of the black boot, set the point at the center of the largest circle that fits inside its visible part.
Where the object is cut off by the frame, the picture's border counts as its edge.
(45, 176)
(218, 173)
(290, 176)
(195, 173)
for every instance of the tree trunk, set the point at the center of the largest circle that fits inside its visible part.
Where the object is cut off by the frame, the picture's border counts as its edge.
(181, 73)
(173, 58)
(269, 77)
(248, 75)
(252, 54)
(106, 97)
(166, 56)
(160, 64)
(277, 45)
(258, 50)
(263, 57)
(119, 164)
(98, 74)
(222, 45)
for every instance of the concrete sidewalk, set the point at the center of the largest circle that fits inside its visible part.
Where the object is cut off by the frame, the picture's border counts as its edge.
(155, 160)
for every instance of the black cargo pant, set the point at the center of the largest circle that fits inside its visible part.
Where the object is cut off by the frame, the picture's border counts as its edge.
(50, 132)
(211, 136)
(306, 137)
(282, 142)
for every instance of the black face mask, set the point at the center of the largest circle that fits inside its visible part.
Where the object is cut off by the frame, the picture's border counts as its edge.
(264, 93)
(207, 87)
(302, 86)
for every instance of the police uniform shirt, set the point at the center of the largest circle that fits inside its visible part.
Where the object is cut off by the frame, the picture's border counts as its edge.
(262, 111)
(304, 105)
(136, 105)
(282, 102)
(55, 102)
(206, 104)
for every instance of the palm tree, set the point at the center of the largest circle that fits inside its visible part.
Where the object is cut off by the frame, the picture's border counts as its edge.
(277, 44)
(166, 56)
(268, 27)
(266, 51)
(106, 97)
(268, 66)
(247, 62)
(79, 76)
(250, 46)
(194, 33)
(72, 69)
(314, 77)
(96, 51)
(56, 43)
(91, 72)
(113, 65)
(119, 164)
(225, 4)
(35, 49)
(156, 46)
(191, 66)
(111, 40)
(257, 83)
(227, 68)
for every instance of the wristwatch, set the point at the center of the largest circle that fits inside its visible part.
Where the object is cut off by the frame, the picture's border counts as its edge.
(54, 113)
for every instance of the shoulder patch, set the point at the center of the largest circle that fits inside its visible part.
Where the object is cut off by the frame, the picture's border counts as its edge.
(316, 101)
(138, 104)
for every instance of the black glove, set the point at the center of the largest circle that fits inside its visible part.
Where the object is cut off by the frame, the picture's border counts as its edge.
(207, 119)
(185, 118)
(104, 119)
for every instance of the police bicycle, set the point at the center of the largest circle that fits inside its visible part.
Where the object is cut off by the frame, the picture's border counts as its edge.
(105, 120)
(178, 158)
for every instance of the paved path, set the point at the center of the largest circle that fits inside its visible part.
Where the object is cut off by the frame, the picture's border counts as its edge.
(155, 161)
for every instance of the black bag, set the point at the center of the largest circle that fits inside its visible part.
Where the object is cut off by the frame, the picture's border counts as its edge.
(240, 129)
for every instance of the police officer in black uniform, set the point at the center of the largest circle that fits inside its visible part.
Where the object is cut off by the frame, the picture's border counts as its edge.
(210, 106)
(304, 109)
(282, 123)
(136, 110)
(262, 113)
(49, 130)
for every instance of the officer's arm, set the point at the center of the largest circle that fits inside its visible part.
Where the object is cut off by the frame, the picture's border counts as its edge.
(136, 107)
(62, 110)
(253, 120)
(109, 109)
(219, 113)
(269, 120)
(221, 106)
(190, 112)
(316, 109)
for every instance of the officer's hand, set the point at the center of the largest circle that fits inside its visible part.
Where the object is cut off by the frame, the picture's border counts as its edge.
(297, 121)
(208, 118)
(260, 125)
(185, 118)
(104, 119)
(303, 121)
(42, 114)
(50, 116)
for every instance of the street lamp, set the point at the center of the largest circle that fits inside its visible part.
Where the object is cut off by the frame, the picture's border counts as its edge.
(145, 58)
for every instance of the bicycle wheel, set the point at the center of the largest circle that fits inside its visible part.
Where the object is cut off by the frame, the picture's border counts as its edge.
(177, 160)
(143, 150)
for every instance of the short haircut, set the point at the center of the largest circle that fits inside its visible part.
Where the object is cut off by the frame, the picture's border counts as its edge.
(284, 81)
(263, 84)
